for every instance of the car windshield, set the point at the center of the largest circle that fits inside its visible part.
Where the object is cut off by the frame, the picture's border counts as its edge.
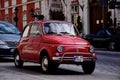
(103, 32)
(8, 29)
(59, 28)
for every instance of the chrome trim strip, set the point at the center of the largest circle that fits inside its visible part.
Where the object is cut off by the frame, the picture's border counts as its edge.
(60, 59)
(72, 53)
(63, 58)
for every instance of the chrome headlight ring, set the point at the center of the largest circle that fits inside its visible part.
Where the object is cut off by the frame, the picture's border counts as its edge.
(91, 49)
(60, 48)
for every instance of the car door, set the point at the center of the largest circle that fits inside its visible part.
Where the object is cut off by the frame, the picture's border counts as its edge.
(24, 43)
(100, 38)
(35, 40)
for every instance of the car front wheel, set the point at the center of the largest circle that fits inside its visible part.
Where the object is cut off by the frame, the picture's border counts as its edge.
(88, 68)
(45, 64)
(111, 46)
(17, 61)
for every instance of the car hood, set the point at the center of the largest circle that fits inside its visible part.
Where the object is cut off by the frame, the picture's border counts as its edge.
(64, 40)
(10, 37)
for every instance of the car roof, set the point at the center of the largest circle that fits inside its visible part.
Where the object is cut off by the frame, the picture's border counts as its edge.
(4, 22)
(46, 21)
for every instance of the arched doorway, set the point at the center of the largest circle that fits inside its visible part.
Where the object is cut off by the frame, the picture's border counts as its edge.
(56, 10)
(98, 14)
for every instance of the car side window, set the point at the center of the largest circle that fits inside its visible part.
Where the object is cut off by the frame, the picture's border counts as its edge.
(100, 33)
(35, 30)
(26, 31)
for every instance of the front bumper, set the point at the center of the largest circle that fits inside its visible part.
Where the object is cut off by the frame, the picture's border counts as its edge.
(6, 52)
(75, 58)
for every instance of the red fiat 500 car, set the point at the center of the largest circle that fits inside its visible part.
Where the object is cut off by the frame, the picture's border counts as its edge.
(52, 43)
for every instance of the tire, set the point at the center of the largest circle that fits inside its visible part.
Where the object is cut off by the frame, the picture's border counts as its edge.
(88, 68)
(111, 46)
(17, 61)
(45, 64)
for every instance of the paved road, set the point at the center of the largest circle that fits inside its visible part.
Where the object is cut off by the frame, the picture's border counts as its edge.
(107, 68)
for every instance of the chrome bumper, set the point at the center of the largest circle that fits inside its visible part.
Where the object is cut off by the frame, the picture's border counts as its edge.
(74, 59)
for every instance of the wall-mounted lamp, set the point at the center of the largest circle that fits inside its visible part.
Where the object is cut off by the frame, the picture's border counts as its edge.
(39, 17)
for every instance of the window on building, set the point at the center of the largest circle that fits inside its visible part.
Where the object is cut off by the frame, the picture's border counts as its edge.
(6, 3)
(37, 12)
(7, 18)
(13, 2)
(38, 5)
(24, 19)
(5, 0)
(74, 8)
(24, 1)
(13, 21)
(119, 15)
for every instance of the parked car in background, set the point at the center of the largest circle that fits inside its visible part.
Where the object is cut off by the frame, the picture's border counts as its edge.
(51, 43)
(9, 38)
(117, 29)
(104, 39)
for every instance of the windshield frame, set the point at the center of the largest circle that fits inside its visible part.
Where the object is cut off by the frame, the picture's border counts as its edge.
(59, 30)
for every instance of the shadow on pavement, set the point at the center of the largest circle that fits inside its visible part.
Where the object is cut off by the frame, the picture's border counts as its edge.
(6, 59)
(35, 70)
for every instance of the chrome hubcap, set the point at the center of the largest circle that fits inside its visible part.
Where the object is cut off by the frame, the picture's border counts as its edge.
(17, 59)
(112, 45)
(45, 63)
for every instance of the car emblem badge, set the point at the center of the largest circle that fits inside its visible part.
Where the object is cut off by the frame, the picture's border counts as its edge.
(77, 50)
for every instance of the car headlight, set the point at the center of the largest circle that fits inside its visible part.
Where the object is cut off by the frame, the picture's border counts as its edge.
(92, 49)
(3, 45)
(2, 42)
(59, 48)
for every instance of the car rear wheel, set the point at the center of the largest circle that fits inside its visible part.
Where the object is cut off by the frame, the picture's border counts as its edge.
(88, 68)
(17, 61)
(111, 46)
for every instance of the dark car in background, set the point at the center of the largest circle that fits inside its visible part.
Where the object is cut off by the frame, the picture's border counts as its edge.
(104, 39)
(9, 38)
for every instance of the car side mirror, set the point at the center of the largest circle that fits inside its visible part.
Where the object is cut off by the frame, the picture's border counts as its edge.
(38, 33)
(81, 35)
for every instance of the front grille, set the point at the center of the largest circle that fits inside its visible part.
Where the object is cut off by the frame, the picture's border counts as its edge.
(11, 43)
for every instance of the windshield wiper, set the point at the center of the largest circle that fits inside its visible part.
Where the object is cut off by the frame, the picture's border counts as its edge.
(64, 32)
(51, 33)
(67, 33)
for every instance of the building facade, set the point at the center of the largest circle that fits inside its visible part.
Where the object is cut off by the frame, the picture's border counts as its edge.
(115, 12)
(18, 12)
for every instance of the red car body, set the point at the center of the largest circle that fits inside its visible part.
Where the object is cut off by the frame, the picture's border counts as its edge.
(50, 49)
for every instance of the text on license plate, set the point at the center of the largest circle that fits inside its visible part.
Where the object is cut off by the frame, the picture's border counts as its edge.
(78, 58)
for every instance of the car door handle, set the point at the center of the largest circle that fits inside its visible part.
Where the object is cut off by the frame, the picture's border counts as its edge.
(25, 40)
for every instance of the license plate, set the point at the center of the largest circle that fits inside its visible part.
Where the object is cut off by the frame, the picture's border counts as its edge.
(78, 58)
